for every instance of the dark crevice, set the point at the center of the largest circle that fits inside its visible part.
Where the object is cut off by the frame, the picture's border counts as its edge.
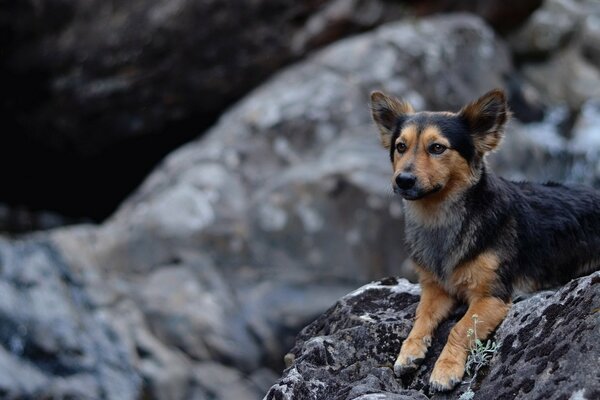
(40, 178)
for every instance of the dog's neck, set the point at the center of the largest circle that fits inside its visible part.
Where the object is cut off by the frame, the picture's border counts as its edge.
(449, 212)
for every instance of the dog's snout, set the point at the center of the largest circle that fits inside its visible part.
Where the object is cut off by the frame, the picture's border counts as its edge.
(405, 180)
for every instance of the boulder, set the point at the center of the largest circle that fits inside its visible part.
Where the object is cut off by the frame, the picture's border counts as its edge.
(96, 93)
(559, 47)
(548, 348)
(503, 15)
(108, 71)
(54, 342)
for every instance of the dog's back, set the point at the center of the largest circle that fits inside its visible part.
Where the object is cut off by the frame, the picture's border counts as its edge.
(558, 231)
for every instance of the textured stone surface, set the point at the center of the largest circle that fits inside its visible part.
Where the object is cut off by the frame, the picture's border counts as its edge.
(548, 348)
(97, 93)
(108, 71)
(53, 341)
(559, 43)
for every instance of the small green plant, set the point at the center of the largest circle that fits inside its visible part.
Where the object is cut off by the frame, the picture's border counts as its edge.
(479, 355)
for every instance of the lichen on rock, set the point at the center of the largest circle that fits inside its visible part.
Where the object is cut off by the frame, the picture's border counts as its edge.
(548, 348)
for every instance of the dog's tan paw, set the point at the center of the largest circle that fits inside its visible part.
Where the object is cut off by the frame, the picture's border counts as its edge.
(411, 355)
(446, 374)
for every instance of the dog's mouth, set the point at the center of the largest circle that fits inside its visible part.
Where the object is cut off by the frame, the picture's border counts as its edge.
(416, 193)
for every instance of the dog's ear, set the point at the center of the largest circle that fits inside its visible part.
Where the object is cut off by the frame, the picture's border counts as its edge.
(387, 113)
(486, 118)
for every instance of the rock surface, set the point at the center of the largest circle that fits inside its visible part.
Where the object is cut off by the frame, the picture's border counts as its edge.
(96, 93)
(107, 71)
(559, 47)
(548, 348)
(54, 342)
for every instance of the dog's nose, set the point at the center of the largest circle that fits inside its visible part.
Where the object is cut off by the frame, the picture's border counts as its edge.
(405, 180)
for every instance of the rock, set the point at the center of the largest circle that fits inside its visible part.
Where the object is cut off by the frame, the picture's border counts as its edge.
(502, 15)
(127, 69)
(566, 78)
(216, 333)
(549, 28)
(53, 341)
(221, 382)
(591, 38)
(89, 86)
(559, 46)
(548, 348)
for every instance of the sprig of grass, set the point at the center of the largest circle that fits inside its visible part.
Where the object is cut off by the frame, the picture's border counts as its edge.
(479, 356)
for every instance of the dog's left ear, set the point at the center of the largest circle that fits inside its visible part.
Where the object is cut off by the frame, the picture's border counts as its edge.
(486, 118)
(388, 112)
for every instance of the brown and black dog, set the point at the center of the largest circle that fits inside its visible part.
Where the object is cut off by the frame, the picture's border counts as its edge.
(474, 237)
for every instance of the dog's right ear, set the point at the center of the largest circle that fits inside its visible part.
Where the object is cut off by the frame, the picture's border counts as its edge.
(387, 113)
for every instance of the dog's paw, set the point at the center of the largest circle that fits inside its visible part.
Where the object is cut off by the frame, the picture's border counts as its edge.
(447, 373)
(411, 355)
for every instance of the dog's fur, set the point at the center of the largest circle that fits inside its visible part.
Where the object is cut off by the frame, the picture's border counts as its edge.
(472, 236)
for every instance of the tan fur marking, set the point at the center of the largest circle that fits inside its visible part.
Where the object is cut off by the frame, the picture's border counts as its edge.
(434, 306)
(431, 134)
(475, 279)
(450, 366)
(408, 135)
(474, 282)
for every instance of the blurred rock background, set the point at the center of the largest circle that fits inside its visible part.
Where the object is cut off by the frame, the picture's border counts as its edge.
(188, 276)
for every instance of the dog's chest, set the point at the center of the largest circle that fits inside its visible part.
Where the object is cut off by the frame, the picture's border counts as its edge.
(437, 248)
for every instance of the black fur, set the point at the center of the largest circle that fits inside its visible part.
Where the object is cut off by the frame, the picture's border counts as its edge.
(545, 234)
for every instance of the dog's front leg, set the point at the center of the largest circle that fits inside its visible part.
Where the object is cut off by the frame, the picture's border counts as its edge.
(450, 366)
(434, 306)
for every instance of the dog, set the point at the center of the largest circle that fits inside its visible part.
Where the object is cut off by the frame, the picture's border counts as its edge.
(472, 236)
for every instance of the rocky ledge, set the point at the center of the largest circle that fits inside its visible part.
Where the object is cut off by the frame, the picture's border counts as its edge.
(548, 348)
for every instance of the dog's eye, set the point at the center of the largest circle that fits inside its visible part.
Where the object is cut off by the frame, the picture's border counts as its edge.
(401, 147)
(437, 148)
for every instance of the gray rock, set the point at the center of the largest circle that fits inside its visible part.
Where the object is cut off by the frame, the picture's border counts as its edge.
(53, 341)
(549, 28)
(501, 14)
(559, 44)
(591, 38)
(548, 348)
(568, 78)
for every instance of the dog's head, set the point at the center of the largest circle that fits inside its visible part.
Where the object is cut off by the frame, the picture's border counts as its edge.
(435, 154)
